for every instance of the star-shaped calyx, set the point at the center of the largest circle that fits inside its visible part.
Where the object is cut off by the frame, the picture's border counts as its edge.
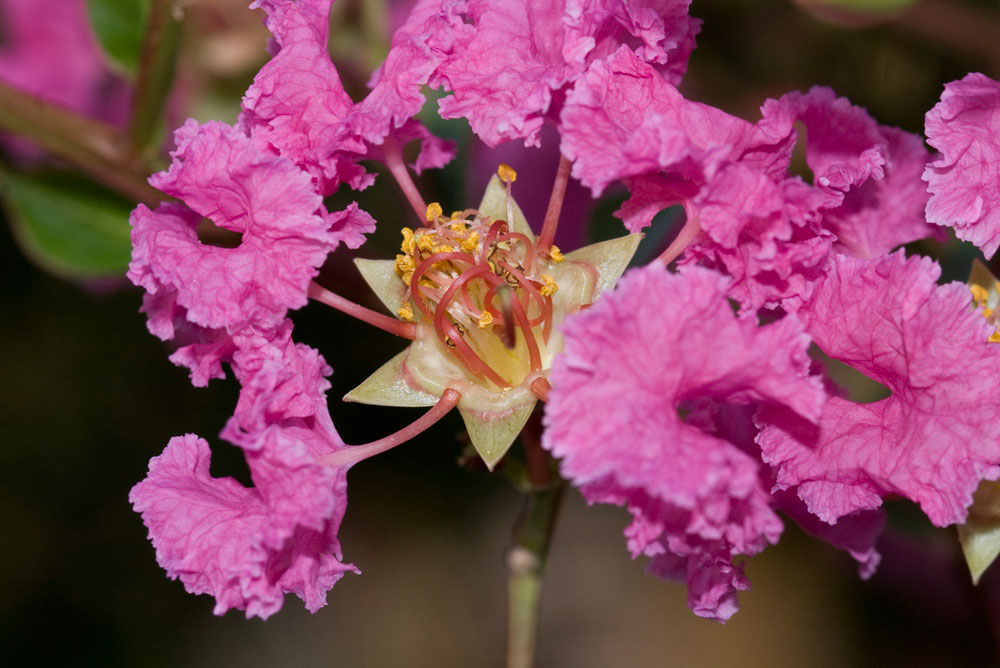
(486, 299)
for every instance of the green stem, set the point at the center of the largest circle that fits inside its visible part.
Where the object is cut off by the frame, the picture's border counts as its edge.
(526, 566)
(156, 75)
(97, 148)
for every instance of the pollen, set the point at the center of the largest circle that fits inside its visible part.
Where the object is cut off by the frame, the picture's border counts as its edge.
(995, 337)
(405, 264)
(485, 320)
(434, 211)
(409, 245)
(506, 173)
(456, 215)
(979, 294)
(425, 242)
(549, 286)
(406, 312)
(443, 248)
(458, 227)
(470, 243)
(987, 312)
(556, 254)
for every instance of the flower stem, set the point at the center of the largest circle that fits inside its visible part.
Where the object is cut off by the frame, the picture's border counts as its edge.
(526, 566)
(548, 233)
(93, 146)
(156, 75)
(394, 161)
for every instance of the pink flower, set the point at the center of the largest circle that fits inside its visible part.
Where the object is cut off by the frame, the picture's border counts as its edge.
(285, 231)
(508, 65)
(59, 60)
(936, 436)
(745, 214)
(965, 181)
(652, 349)
(249, 546)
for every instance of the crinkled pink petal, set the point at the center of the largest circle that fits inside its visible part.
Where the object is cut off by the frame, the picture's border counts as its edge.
(880, 215)
(297, 106)
(965, 181)
(418, 47)
(844, 147)
(936, 436)
(508, 64)
(286, 233)
(658, 341)
(58, 59)
(210, 533)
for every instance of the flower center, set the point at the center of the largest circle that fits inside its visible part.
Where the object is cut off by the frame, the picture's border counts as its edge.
(483, 291)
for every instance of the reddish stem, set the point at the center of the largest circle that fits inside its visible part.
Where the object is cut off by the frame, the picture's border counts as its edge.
(394, 161)
(422, 268)
(688, 233)
(351, 455)
(555, 206)
(407, 330)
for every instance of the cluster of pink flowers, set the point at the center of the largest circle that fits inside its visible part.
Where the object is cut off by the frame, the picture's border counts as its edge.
(711, 423)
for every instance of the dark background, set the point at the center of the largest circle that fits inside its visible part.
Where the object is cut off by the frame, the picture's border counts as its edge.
(87, 396)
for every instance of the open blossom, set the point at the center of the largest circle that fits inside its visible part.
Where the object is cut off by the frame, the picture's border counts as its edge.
(746, 215)
(936, 436)
(648, 351)
(964, 181)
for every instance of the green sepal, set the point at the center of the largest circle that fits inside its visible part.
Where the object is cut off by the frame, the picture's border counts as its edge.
(381, 277)
(610, 258)
(388, 386)
(980, 535)
(69, 225)
(493, 432)
(494, 205)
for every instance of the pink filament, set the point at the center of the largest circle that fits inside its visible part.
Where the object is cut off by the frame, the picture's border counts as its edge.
(407, 330)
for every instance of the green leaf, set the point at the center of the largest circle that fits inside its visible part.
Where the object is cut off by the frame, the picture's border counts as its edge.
(120, 26)
(69, 225)
(980, 535)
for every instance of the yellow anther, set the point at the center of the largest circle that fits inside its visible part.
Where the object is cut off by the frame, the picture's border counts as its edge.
(407, 277)
(457, 227)
(549, 286)
(427, 283)
(995, 337)
(987, 312)
(457, 215)
(443, 248)
(506, 173)
(425, 242)
(485, 319)
(405, 264)
(406, 312)
(470, 243)
(556, 254)
(408, 245)
(979, 294)
(434, 211)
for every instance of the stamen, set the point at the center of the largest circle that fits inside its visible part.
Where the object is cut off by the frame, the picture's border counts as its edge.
(555, 206)
(555, 254)
(485, 320)
(407, 330)
(540, 388)
(506, 173)
(406, 312)
(979, 294)
(434, 211)
(353, 454)
(549, 288)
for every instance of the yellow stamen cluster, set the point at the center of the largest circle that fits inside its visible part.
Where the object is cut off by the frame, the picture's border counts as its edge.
(485, 319)
(470, 243)
(555, 254)
(549, 286)
(506, 173)
(434, 211)
(406, 312)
